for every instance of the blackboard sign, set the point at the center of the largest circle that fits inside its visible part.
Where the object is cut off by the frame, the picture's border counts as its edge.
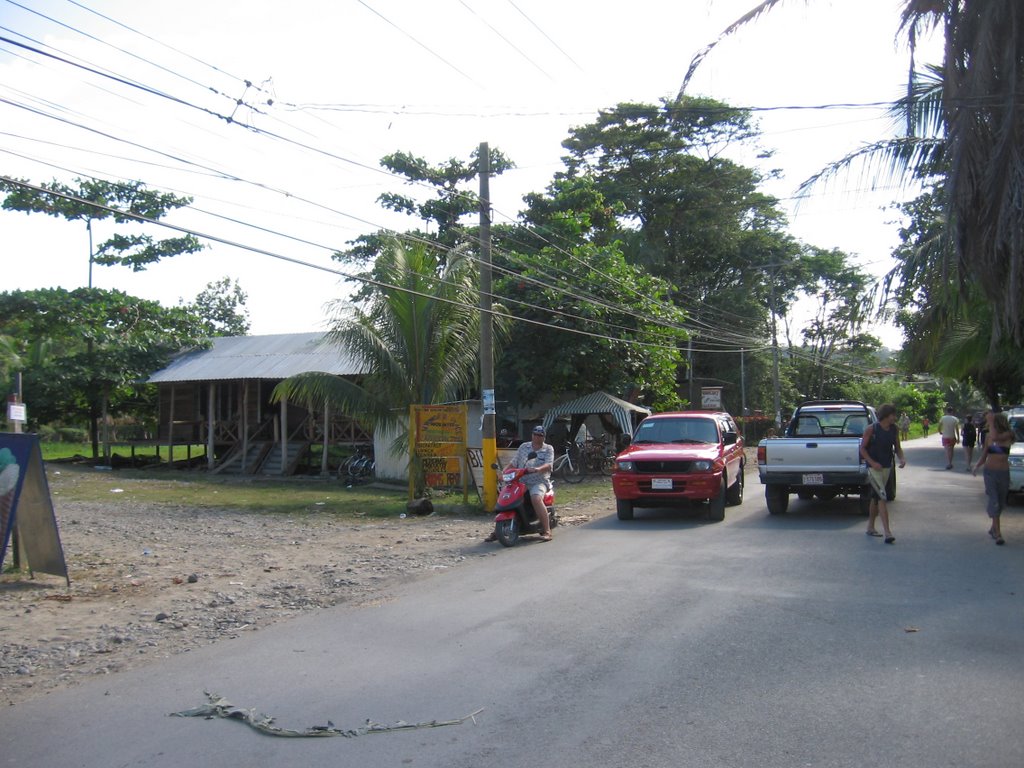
(26, 506)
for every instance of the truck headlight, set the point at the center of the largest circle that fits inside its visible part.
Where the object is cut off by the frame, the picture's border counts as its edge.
(624, 466)
(702, 466)
(1017, 462)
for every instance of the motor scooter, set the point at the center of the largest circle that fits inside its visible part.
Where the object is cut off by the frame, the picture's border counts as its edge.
(514, 513)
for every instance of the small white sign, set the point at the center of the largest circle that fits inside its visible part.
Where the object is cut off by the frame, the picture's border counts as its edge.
(16, 412)
(711, 398)
(661, 483)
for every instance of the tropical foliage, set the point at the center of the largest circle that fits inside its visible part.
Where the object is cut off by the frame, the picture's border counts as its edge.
(965, 134)
(87, 352)
(418, 338)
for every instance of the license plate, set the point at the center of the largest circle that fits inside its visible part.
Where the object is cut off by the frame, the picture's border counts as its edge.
(813, 480)
(662, 483)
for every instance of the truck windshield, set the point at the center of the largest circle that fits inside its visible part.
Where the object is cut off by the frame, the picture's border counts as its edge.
(676, 431)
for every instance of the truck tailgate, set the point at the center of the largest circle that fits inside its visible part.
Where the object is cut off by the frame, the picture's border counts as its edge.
(812, 454)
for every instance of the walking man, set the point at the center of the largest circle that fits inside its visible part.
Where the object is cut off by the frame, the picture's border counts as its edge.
(879, 445)
(949, 428)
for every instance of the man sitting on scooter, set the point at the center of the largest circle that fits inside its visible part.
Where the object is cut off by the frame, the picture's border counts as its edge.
(537, 478)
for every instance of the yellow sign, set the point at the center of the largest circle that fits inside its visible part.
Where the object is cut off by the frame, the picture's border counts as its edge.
(437, 437)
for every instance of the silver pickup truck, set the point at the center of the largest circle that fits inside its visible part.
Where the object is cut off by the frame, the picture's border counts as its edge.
(819, 456)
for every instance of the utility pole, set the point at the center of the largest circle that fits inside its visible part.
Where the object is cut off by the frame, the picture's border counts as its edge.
(775, 353)
(489, 433)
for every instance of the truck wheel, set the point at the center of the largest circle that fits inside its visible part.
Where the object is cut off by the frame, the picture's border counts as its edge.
(777, 497)
(735, 495)
(716, 506)
(624, 509)
(864, 502)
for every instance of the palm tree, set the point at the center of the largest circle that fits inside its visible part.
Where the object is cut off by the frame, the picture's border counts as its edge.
(981, 147)
(418, 339)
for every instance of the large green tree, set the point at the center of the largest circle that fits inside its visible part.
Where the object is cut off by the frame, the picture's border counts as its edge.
(834, 338)
(85, 352)
(967, 125)
(125, 202)
(948, 329)
(683, 211)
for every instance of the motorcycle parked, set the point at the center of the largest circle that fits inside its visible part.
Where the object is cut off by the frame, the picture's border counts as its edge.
(514, 513)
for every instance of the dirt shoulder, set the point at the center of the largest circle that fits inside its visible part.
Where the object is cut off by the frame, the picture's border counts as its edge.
(152, 580)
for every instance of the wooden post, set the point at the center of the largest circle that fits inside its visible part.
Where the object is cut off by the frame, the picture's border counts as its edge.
(245, 423)
(211, 423)
(284, 434)
(327, 439)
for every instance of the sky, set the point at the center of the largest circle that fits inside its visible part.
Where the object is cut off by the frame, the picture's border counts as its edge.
(273, 117)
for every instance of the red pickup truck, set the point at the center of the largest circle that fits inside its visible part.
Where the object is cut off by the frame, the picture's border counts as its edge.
(678, 457)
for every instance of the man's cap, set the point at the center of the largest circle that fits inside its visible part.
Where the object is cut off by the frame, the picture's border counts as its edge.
(538, 430)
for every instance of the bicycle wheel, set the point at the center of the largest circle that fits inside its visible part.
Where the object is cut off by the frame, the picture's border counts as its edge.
(608, 464)
(571, 471)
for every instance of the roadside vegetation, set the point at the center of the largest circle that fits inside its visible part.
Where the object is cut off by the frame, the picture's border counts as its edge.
(84, 482)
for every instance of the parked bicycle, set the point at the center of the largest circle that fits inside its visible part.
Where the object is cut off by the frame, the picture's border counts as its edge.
(567, 466)
(358, 468)
(598, 457)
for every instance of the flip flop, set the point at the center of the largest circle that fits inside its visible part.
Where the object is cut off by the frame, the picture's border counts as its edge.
(999, 541)
(545, 537)
(492, 537)
(873, 533)
(890, 539)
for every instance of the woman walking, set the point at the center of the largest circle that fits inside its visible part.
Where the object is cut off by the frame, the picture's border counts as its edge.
(995, 455)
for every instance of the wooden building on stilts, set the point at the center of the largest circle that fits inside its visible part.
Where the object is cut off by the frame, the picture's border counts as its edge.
(220, 398)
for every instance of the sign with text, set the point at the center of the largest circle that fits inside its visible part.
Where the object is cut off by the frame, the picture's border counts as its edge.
(26, 506)
(475, 462)
(711, 398)
(437, 438)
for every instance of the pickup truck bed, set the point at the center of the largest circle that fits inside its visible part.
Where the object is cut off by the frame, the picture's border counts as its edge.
(819, 456)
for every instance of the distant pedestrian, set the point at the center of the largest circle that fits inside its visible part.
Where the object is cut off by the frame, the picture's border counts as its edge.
(878, 447)
(949, 428)
(995, 455)
(925, 424)
(904, 424)
(969, 438)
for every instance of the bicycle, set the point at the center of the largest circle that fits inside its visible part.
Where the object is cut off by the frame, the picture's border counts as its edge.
(566, 468)
(598, 458)
(358, 468)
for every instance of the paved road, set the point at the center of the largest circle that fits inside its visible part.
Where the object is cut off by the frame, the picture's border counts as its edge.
(666, 641)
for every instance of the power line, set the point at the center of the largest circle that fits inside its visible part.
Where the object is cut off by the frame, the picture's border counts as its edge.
(545, 34)
(508, 42)
(421, 44)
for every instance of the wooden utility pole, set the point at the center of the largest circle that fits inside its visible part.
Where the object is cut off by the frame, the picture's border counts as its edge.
(489, 448)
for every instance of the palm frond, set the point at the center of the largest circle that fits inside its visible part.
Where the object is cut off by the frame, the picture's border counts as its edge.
(749, 16)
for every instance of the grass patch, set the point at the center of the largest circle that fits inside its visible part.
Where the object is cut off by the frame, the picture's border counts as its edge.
(84, 483)
(65, 451)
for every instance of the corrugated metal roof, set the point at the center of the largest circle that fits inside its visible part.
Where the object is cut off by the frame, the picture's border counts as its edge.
(276, 356)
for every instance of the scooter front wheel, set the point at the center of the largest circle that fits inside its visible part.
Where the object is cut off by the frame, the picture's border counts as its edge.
(508, 532)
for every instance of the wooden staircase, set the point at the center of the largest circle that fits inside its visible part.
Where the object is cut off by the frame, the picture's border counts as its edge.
(271, 464)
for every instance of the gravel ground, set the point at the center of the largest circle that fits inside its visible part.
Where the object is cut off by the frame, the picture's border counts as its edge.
(149, 581)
